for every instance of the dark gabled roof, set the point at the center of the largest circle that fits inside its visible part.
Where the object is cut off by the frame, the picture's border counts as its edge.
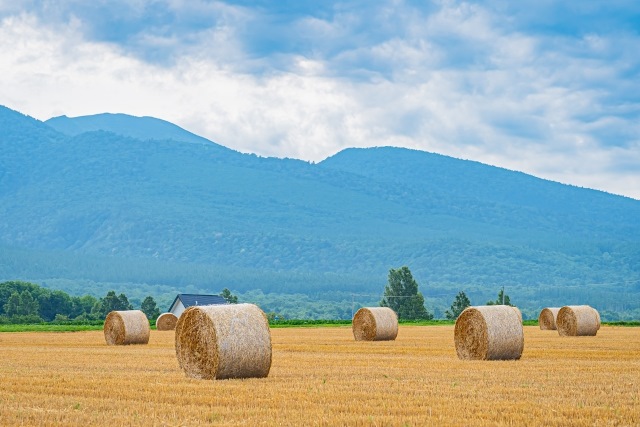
(194, 299)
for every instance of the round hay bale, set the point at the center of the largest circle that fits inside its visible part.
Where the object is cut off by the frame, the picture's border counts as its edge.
(375, 324)
(578, 321)
(597, 316)
(223, 341)
(489, 332)
(166, 322)
(126, 327)
(547, 318)
(518, 312)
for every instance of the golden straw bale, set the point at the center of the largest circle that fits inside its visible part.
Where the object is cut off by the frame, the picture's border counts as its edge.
(518, 312)
(578, 320)
(223, 341)
(375, 324)
(547, 318)
(597, 316)
(126, 327)
(489, 332)
(166, 322)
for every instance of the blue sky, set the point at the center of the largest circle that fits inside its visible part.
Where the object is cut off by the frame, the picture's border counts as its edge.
(545, 87)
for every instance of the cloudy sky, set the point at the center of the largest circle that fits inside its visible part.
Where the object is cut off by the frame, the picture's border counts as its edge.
(551, 88)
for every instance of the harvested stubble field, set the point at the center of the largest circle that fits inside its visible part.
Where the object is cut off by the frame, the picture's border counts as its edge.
(321, 376)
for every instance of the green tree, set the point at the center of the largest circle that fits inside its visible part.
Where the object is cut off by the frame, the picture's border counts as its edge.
(150, 308)
(54, 303)
(272, 316)
(459, 304)
(503, 299)
(124, 302)
(227, 295)
(28, 304)
(12, 306)
(111, 302)
(82, 305)
(8, 288)
(402, 296)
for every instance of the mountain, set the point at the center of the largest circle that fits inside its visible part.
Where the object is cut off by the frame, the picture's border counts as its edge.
(487, 194)
(144, 128)
(115, 200)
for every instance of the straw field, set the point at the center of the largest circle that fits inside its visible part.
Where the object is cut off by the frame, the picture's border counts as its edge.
(322, 376)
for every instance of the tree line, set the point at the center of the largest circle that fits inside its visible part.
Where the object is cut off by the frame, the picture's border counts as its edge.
(402, 295)
(24, 302)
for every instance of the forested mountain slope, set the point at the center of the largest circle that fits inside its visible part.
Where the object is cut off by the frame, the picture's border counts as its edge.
(112, 201)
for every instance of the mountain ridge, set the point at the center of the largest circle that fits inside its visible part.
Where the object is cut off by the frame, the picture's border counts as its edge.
(457, 224)
(144, 127)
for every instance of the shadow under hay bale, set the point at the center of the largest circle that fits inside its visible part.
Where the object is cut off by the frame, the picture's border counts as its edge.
(375, 324)
(126, 327)
(223, 341)
(547, 318)
(578, 321)
(166, 322)
(489, 332)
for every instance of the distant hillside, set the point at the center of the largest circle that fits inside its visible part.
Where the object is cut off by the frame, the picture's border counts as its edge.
(143, 128)
(120, 199)
(478, 192)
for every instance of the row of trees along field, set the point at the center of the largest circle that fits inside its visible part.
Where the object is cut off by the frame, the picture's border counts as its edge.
(23, 302)
(402, 295)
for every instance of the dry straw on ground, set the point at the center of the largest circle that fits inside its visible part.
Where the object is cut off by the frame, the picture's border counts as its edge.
(375, 324)
(126, 327)
(489, 332)
(547, 318)
(166, 322)
(322, 376)
(578, 320)
(223, 341)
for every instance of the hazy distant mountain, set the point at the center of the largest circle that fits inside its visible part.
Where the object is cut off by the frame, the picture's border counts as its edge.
(143, 128)
(487, 194)
(93, 198)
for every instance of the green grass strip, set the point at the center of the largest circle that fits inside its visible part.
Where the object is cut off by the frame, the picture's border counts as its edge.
(49, 328)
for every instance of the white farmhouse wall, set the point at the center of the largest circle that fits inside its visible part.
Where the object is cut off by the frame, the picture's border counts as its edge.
(177, 308)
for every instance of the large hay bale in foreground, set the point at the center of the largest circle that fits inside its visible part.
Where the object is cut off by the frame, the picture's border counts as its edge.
(489, 332)
(518, 312)
(223, 341)
(577, 321)
(126, 327)
(547, 318)
(375, 324)
(166, 322)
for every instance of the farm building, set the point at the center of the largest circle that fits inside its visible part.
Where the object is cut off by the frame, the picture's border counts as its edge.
(184, 301)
